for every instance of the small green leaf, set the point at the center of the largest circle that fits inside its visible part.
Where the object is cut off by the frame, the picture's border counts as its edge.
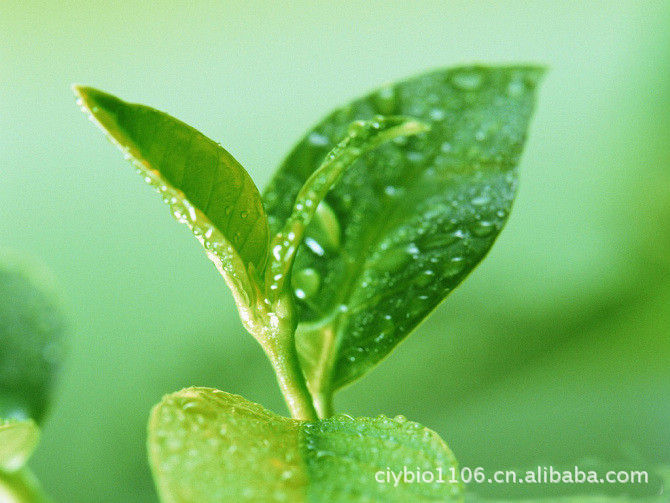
(363, 137)
(205, 186)
(410, 219)
(32, 327)
(18, 440)
(209, 446)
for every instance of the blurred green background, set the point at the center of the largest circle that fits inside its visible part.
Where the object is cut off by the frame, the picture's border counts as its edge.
(556, 349)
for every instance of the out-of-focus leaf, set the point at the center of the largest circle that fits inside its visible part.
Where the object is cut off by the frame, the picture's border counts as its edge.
(204, 185)
(407, 223)
(32, 325)
(209, 446)
(18, 439)
(21, 487)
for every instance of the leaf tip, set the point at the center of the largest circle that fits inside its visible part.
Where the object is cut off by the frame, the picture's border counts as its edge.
(93, 101)
(81, 92)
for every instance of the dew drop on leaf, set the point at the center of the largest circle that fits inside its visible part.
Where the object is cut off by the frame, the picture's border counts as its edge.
(454, 267)
(483, 228)
(318, 140)
(306, 283)
(468, 79)
(385, 100)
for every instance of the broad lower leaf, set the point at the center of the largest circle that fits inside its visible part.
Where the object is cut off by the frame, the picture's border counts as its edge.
(406, 223)
(32, 327)
(18, 440)
(209, 446)
(205, 186)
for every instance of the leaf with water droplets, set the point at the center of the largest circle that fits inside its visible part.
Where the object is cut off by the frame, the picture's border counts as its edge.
(407, 222)
(32, 327)
(18, 439)
(363, 136)
(209, 446)
(205, 186)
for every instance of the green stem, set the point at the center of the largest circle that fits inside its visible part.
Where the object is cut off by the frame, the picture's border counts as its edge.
(323, 403)
(284, 360)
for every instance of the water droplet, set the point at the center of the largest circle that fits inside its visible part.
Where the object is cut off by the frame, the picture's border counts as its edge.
(357, 128)
(306, 283)
(412, 249)
(315, 246)
(401, 141)
(515, 88)
(483, 228)
(454, 267)
(390, 190)
(437, 114)
(318, 140)
(425, 278)
(276, 252)
(467, 80)
(385, 100)
(415, 156)
(480, 200)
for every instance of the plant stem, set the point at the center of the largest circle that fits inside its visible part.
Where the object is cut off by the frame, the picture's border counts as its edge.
(323, 403)
(284, 359)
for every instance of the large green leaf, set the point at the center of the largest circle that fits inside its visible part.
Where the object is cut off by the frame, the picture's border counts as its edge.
(18, 439)
(205, 186)
(32, 326)
(406, 223)
(209, 446)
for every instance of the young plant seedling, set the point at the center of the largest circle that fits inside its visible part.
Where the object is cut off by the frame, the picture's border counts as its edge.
(377, 214)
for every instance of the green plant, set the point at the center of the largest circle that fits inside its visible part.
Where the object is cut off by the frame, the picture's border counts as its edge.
(32, 326)
(377, 214)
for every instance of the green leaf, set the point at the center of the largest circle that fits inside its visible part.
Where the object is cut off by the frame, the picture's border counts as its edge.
(406, 223)
(209, 446)
(363, 136)
(205, 186)
(32, 327)
(18, 440)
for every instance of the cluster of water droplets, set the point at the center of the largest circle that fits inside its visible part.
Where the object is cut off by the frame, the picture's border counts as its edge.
(211, 445)
(343, 455)
(455, 183)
